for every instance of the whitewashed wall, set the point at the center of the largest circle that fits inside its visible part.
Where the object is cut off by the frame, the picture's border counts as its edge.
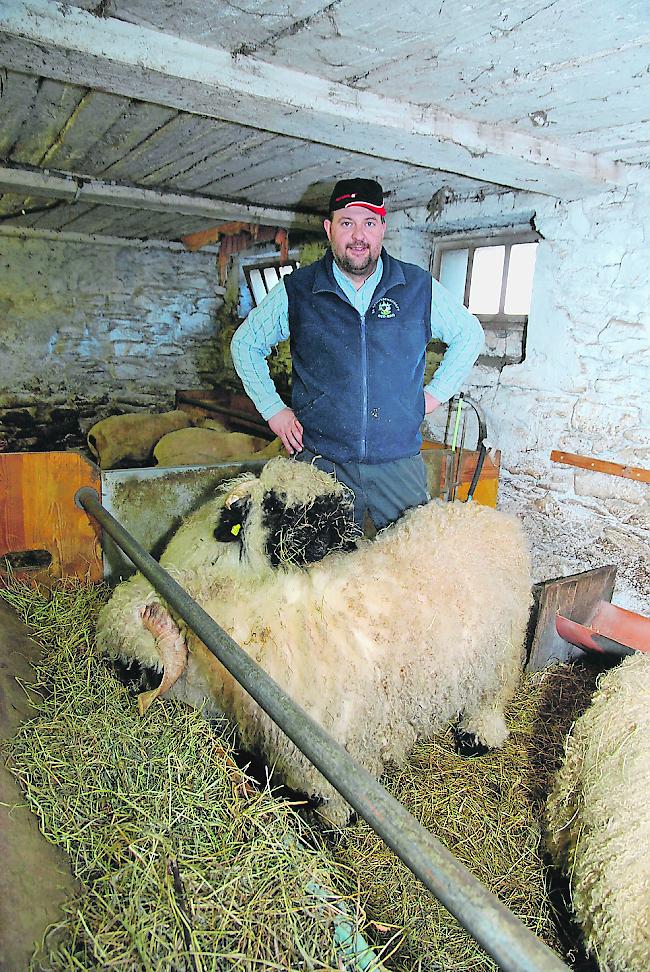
(98, 321)
(584, 386)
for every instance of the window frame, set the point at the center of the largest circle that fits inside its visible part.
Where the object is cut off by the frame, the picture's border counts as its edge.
(501, 324)
(263, 265)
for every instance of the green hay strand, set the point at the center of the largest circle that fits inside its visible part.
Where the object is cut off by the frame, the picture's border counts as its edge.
(182, 864)
(488, 812)
(185, 867)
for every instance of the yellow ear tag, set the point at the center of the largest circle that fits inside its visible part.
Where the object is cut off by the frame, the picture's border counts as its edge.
(235, 530)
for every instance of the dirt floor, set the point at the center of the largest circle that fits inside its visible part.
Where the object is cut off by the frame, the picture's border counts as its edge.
(34, 876)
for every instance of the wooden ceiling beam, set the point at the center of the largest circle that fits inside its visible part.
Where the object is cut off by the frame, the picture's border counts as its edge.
(86, 189)
(69, 44)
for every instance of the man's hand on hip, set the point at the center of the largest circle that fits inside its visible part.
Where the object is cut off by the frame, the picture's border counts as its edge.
(287, 428)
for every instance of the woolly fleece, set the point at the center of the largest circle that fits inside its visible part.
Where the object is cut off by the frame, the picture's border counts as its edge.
(599, 818)
(381, 646)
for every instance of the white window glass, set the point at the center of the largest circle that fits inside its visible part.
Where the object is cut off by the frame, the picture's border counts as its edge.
(259, 290)
(453, 270)
(271, 277)
(287, 268)
(519, 288)
(487, 274)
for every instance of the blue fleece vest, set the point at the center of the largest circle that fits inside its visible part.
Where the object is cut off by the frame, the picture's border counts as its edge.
(357, 385)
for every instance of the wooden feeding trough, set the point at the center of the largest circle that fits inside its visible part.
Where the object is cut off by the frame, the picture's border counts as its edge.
(44, 535)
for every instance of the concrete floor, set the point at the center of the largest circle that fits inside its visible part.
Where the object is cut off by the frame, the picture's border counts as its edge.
(34, 876)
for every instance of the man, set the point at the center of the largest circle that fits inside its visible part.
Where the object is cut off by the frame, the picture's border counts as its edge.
(359, 322)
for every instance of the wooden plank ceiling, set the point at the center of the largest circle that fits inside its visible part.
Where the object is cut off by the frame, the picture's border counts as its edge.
(210, 106)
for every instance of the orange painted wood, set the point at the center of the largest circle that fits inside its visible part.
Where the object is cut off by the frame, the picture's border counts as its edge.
(38, 512)
(194, 241)
(468, 461)
(600, 465)
(486, 491)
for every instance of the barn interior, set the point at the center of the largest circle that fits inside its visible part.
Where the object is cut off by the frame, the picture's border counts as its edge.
(162, 165)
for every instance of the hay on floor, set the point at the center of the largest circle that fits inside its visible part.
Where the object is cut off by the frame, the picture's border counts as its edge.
(184, 865)
(488, 811)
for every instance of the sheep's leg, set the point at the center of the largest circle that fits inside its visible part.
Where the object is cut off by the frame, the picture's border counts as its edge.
(468, 743)
(171, 646)
(482, 725)
(480, 730)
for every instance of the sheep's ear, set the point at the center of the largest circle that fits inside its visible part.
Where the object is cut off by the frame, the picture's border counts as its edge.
(231, 521)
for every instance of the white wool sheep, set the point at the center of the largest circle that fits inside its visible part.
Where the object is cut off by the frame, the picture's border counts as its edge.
(599, 818)
(381, 645)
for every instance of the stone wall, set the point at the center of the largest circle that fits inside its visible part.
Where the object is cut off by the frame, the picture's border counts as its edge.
(90, 328)
(584, 386)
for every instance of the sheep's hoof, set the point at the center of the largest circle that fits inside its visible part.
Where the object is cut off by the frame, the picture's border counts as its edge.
(467, 744)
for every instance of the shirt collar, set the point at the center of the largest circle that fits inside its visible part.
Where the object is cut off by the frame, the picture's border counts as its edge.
(348, 287)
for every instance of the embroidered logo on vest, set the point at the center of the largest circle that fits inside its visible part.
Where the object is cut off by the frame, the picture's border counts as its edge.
(386, 307)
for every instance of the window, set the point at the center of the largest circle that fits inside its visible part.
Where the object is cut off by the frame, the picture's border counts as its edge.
(262, 278)
(493, 276)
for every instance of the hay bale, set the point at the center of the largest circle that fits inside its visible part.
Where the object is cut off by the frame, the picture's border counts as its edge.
(120, 440)
(184, 865)
(213, 424)
(205, 446)
(599, 818)
(270, 451)
(488, 812)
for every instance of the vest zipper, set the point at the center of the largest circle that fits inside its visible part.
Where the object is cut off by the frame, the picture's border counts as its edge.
(364, 387)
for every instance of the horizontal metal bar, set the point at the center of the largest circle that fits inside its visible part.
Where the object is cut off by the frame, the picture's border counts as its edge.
(237, 413)
(503, 936)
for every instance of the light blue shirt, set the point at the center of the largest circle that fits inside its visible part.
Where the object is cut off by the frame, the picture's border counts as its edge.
(268, 324)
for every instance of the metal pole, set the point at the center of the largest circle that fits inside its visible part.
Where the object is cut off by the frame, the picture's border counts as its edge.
(503, 936)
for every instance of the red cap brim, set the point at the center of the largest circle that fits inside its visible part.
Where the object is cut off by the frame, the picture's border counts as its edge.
(380, 210)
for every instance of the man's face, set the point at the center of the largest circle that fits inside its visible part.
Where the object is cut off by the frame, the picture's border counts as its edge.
(355, 236)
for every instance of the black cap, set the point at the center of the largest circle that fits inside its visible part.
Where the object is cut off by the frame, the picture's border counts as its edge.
(358, 192)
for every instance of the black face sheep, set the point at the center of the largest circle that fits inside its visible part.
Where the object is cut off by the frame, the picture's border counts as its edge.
(599, 818)
(381, 644)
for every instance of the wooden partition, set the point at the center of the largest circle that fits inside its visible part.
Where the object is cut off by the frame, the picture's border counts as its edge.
(43, 534)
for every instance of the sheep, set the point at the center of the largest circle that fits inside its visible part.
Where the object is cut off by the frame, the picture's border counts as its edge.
(598, 818)
(383, 642)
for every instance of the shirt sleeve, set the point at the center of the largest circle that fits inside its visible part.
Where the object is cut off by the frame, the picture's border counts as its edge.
(453, 324)
(266, 325)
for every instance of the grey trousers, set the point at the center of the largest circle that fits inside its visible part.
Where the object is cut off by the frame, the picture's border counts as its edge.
(384, 490)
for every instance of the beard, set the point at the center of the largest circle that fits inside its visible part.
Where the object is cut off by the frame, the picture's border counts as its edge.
(357, 264)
